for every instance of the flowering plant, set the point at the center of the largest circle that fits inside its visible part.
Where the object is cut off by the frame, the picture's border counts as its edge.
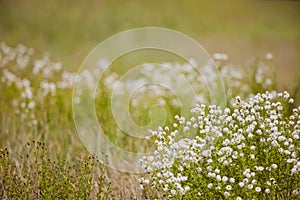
(247, 151)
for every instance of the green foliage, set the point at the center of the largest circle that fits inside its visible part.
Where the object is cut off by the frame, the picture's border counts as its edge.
(36, 176)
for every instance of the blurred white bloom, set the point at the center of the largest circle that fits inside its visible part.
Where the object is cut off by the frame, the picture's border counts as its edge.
(220, 56)
(226, 194)
(31, 104)
(274, 166)
(297, 191)
(224, 179)
(250, 186)
(40, 64)
(269, 56)
(257, 189)
(228, 187)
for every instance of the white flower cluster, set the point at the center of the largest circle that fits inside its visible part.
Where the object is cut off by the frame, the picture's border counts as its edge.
(167, 78)
(30, 81)
(175, 80)
(249, 150)
(242, 81)
(20, 56)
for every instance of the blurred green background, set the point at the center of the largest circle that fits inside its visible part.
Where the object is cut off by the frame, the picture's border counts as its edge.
(68, 30)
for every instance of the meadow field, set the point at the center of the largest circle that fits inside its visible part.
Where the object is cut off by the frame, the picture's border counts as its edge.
(236, 135)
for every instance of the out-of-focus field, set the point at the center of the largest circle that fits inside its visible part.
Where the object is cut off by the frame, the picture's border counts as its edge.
(35, 94)
(68, 30)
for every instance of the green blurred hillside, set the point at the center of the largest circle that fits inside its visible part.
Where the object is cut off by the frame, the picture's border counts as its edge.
(68, 30)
